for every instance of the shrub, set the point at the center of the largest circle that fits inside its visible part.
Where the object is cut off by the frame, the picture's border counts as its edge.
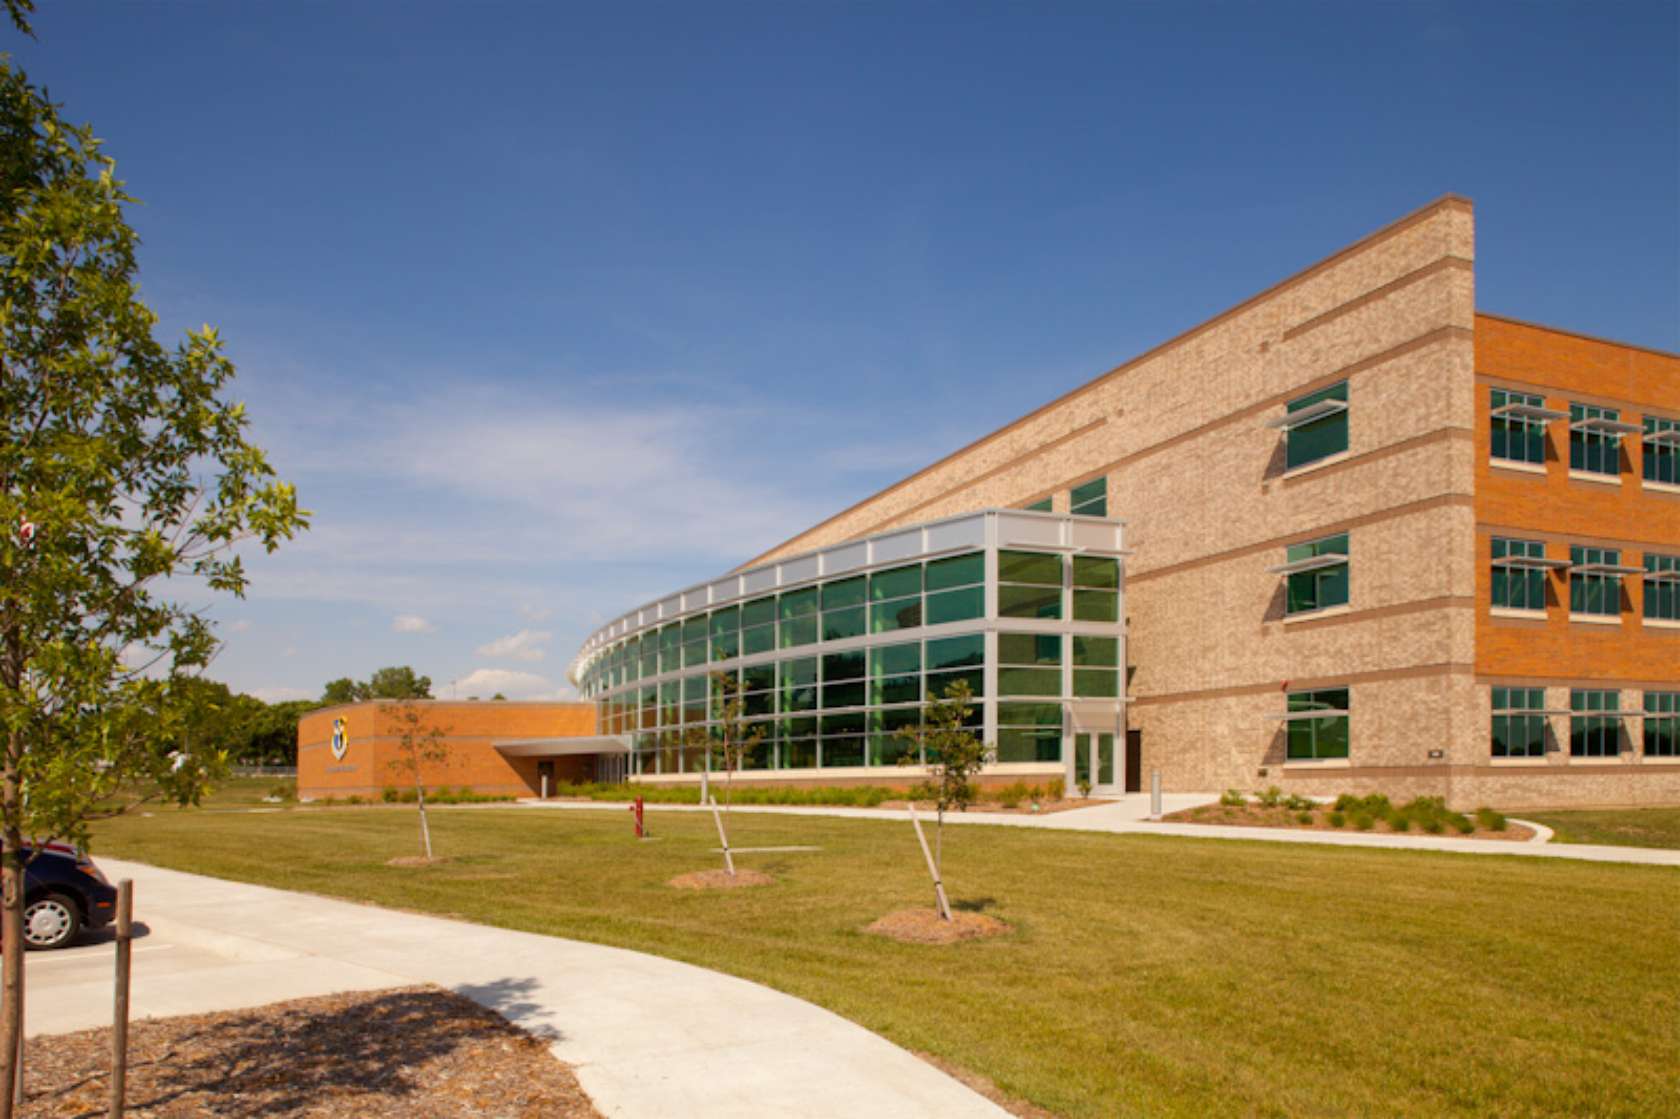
(1305, 817)
(1084, 784)
(1233, 799)
(1363, 821)
(1490, 820)
(1271, 796)
(285, 790)
(1057, 789)
(353, 799)
(1462, 823)
(389, 794)
(1399, 821)
(1337, 819)
(1433, 826)
(1347, 802)
(1300, 804)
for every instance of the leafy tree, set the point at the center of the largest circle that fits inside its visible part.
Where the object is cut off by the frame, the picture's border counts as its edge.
(124, 474)
(342, 690)
(954, 755)
(398, 682)
(419, 744)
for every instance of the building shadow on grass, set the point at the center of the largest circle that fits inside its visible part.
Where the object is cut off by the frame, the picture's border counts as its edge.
(298, 1058)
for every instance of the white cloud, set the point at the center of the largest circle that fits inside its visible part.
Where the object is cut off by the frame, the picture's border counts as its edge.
(411, 623)
(526, 645)
(536, 613)
(486, 682)
(243, 625)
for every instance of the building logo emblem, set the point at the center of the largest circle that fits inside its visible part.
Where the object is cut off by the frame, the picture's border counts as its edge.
(340, 739)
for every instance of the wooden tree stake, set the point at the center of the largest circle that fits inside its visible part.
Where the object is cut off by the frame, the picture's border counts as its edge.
(119, 1020)
(728, 859)
(933, 871)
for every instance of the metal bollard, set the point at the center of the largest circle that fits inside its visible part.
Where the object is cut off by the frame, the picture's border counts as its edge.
(1154, 794)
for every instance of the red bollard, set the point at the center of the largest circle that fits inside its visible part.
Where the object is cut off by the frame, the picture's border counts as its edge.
(637, 809)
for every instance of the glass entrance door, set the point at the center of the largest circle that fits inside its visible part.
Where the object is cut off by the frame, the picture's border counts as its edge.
(1093, 761)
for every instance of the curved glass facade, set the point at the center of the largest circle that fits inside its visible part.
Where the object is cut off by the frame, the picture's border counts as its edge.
(835, 650)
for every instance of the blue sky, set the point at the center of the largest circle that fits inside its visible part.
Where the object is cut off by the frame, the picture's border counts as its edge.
(550, 309)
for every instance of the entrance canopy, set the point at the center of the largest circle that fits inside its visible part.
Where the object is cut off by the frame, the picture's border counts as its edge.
(562, 747)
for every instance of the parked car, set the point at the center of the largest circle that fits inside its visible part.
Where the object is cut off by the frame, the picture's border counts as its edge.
(63, 893)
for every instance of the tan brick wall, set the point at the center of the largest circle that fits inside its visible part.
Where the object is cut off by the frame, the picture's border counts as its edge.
(469, 730)
(1200, 480)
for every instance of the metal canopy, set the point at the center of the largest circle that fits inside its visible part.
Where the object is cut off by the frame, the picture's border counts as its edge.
(1617, 714)
(1311, 563)
(1532, 711)
(1605, 426)
(1606, 569)
(1669, 438)
(562, 747)
(1540, 562)
(1531, 412)
(1296, 716)
(1662, 576)
(1302, 416)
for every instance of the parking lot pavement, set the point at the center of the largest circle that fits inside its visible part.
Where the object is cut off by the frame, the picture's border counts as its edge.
(179, 969)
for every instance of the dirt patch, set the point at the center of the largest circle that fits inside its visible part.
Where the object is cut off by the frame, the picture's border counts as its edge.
(1259, 816)
(417, 860)
(721, 880)
(416, 1052)
(1015, 1105)
(924, 926)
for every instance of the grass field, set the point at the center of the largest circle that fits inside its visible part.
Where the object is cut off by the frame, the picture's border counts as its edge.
(1146, 975)
(1627, 827)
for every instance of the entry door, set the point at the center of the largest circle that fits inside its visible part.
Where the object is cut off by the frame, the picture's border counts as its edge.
(1134, 761)
(1093, 749)
(1093, 760)
(545, 778)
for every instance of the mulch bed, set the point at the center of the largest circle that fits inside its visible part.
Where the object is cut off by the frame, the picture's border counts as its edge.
(924, 926)
(1259, 816)
(415, 1052)
(721, 879)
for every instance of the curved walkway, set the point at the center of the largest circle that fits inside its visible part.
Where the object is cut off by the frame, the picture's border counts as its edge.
(648, 1037)
(1129, 815)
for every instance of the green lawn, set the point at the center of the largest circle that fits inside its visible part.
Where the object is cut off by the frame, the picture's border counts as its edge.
(1146, 976)
(1628, 827)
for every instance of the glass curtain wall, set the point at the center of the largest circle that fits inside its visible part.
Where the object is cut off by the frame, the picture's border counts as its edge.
(832, 670)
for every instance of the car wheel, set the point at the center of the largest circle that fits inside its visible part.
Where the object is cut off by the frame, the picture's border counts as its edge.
(50, 922)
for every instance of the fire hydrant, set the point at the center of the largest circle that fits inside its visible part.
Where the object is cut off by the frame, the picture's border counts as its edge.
(636, 808)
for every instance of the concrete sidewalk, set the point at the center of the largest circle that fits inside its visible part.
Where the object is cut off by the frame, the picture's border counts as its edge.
(1129, 815)
(648, 1037)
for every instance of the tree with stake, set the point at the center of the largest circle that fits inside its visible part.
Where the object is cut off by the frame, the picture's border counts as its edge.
(124, 474)
(729, 741)
(419, 744)
(954, 754)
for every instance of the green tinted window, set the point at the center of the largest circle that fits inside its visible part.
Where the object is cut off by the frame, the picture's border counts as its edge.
(1598, 452)
(939, 682)
(1030, 714)
(758, 639)
(1042, 505)
(1096, 683)
(843, 666)
(758, 677)
(844, 592)
(894, 660)
(1660, 460)
(956, 652)
(797, 604)
(1096, 650)
(1518, 588)
(895, 583)
(840, 624)
(1096, 571)
(1029, 648)
(758, 612)
(727, 620)
(1030, 567)
(1095, 606)
(1595, 592)
(801, 671)
(896, 689)
(1515, 439)
(1324, 737)
(958, 571)
(903, 613)
(1322, 587)
(799, 631)
(1029, 681)
(1321, 438)
(1090, 499)
(1022, 744)
(1029, 602)
(955, 606)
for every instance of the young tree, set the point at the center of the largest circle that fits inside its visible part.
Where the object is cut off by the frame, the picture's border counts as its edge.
(954, 755)
(124, 476)
(732, 738)
(419, 744)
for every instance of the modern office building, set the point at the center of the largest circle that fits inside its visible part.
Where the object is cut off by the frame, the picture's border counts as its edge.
(1349, 535)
